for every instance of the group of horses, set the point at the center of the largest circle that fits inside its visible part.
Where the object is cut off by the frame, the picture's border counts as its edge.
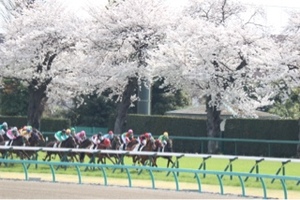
(36, 139)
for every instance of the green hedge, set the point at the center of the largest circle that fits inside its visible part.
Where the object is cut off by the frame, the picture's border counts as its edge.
(47, 124)
(261, 129)
(174, 125)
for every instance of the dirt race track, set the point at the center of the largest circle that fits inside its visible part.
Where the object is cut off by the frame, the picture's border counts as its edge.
(13, 186)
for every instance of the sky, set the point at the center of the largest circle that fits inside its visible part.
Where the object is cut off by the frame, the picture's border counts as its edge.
(275, 9)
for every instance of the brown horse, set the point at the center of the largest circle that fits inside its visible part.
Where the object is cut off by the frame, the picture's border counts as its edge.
(132, 146)
(150, 146)
(88, 144)
(168, 148)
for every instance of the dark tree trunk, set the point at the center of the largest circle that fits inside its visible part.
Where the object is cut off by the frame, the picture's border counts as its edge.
(213, 127)
(124, 105)
(298, 146)
(37, 102)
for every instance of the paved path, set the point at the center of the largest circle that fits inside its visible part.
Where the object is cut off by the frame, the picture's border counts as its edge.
(40, 186)
(16, 189)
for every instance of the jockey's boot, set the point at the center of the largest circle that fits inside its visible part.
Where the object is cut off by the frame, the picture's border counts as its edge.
(140, 145)
(124, 146)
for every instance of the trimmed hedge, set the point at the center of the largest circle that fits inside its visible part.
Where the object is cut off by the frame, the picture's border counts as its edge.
(47, 124)
(260, 129)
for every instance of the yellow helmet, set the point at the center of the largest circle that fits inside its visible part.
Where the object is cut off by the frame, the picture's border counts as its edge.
(68, 131)
(166, 134)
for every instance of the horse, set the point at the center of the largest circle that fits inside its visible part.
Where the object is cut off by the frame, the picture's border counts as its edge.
(132, 146)
(68, 143)
(18, 141)
(88, 144)
(115, 145)
(168, 148)
(150, 146)
(36, 137)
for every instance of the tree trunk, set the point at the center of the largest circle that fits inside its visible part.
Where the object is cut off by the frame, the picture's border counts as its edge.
(37, 102)
(298, 146)
(213, 127)
(124, 105)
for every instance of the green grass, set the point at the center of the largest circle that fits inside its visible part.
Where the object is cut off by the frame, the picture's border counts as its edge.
(265, 167)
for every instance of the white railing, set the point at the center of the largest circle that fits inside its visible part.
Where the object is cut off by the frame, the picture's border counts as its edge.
(128, 153)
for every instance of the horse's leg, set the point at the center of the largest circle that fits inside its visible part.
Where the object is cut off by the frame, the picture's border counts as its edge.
(170, 161)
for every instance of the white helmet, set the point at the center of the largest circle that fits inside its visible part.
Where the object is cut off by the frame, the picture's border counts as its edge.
(5, 124)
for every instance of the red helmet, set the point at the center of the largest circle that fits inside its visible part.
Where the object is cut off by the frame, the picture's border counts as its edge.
(110, 132)
(147, 135)
(106, 142)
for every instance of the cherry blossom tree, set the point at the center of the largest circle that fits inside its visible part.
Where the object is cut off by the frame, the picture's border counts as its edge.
(37, 38)
(220, 58)
(118, 40)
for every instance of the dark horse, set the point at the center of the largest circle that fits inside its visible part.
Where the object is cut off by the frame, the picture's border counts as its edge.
(18, 141)
(168, 148)
(68, 143)
(35, 139)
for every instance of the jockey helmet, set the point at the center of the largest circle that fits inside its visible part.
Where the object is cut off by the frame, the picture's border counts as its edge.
(147, 135)
(166, 134)
(99, 135)
(82, 134)
(106, 142)
(28, 129)
(73, 130)
(14, 130)
(5, 124)
(130, 131)
(68, 131)
(110, 132)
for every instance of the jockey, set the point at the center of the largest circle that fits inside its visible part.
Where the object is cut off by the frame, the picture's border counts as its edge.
(109, 135)
(163, 139)
(61, 136)
(12, 134)
(80, 136)
(3, 128)
(127, 137)
(26, 131)
(142, 140)
(97, 139)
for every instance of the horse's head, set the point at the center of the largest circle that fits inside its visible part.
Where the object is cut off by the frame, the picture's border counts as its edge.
(69, 143)
(169, 146)
(158, 144)
(150, 146)
(116, 142)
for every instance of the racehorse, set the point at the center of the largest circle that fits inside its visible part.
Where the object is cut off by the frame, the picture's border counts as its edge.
(88, 144)
(150, 146)
(115, 145)
(36, 137)
(18, 141)
(168, 148)
(132, 146)
(68, 143)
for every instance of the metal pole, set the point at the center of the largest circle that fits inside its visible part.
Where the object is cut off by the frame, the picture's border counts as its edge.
(144, 99)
